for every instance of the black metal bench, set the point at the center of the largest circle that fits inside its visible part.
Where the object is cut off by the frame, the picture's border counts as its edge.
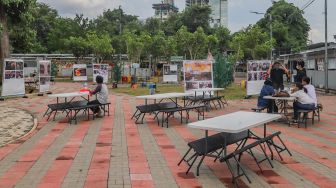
(61, 107)
(142, 110)
(170, 112)
(212, 146)
(76, 108)
(236, 155)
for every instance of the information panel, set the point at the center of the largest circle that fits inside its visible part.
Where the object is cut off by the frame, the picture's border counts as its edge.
(102, 70)
(80, 72)
(256, 76)
(13, 80)
(170, 73)
(44, 67)
(197, 74)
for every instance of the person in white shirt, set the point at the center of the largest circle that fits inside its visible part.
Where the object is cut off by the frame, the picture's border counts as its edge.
(303, 101)
(102, 96)
(310, 89)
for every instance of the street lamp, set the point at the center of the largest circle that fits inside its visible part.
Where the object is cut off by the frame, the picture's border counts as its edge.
(271, 30)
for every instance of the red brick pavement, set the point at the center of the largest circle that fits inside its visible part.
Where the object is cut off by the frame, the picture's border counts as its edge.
(319, 137)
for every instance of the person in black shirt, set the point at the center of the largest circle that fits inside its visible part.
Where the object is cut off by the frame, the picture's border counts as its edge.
(276, 72)
(301, 71)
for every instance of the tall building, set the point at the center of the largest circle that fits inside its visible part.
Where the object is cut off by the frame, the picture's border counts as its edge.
(219, 14)
(164, 9)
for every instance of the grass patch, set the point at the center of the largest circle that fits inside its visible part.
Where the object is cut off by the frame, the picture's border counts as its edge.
(233, 92)
(145, 90)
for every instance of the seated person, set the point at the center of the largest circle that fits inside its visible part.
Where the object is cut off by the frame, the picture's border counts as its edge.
(310, 88)
(267, 90)
(102, 96)
(303, 101)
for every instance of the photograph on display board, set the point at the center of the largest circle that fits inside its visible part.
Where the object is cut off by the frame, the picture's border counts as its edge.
(253, 66)
(263, 75)
(166, 70)
(264, 66)
(79, 72)
(192, 85)
(44, 80)
(249, 76)
(19, 66)
(19, 74)
(198, 72)
(10, 75)
(96, 66)
(205, 85)
(104, 67)
(10, 65)
(44, 69)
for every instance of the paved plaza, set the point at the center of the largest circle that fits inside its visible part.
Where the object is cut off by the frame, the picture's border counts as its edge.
(115, 152)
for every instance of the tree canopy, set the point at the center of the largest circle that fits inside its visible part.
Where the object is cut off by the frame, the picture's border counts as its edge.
(290, 28)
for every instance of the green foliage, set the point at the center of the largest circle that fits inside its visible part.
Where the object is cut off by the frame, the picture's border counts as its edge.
(195, 44)
(251, 43)
(78, 46)
(290, 28)
(100, 45)
(196, 16)
(223, 71)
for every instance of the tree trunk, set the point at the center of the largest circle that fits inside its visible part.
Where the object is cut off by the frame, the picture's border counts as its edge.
(4, 39)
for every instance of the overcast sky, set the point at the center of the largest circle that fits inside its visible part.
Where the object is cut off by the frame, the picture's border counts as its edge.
(239, 11)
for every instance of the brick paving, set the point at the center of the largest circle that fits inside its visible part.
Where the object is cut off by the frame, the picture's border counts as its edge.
(115, 152)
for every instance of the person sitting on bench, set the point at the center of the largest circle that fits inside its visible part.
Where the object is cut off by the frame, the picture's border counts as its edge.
(310, 89)
(303, 101)
(267, 90)
(102, 96)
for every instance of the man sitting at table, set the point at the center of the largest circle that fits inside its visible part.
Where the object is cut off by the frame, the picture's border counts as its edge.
(303, 101)
(267, 90)
(310, 88)
(102, 96)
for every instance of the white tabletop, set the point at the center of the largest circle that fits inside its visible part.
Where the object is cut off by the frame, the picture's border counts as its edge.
(65, 95)
(205, 89)
(235, 122)
(280, 98)
(163, 96)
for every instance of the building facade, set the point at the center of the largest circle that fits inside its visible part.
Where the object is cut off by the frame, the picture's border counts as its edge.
(314, 64)
(164, 9)
(219, 14)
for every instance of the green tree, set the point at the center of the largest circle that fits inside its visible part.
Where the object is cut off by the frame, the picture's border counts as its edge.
(10, 10)
(78, 46)
(290, 28)
(100, 45)
(196, 16)
(251, 43)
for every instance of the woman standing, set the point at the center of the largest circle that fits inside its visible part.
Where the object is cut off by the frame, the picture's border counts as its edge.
(301, 71)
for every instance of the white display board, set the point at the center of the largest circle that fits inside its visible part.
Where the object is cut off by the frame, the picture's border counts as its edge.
(170, 73)
(44, 69)
(102, 70)
(13, 79)
(79, 72)
(197, 74)
(256, 76)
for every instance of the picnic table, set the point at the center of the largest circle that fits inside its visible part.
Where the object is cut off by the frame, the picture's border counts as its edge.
(166, 108)
(207, 97)
(67, 104)
(284, 106)
(234, 128)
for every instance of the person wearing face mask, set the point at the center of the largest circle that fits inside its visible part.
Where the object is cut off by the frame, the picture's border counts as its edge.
(301, 71)
(276, 72)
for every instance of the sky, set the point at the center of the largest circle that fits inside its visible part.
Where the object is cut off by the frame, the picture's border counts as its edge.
(239, 12)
